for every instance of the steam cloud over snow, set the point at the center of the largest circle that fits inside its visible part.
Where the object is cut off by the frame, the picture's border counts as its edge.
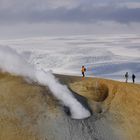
(11, 61)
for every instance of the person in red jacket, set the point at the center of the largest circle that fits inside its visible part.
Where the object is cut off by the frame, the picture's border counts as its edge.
(83, 70)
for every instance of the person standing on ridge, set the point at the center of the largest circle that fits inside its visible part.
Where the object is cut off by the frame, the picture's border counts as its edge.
(133, 78)
(83, 70)
(126, 77)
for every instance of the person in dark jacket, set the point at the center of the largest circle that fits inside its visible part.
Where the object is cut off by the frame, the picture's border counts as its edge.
(133, 78)
(126, 77)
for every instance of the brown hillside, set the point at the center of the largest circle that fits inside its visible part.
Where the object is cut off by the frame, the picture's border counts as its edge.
(118, 101)
(28, 111)
(21, 104)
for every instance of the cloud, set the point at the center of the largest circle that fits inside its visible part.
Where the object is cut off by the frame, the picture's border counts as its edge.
(60, 17)
(63, 29)
(79, 11)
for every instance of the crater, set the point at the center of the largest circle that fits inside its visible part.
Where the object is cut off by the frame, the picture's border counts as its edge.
(91, 90)
(99, 93)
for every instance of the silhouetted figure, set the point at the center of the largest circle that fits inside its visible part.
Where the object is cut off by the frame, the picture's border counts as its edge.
(126, 77)
(133, 78)
(83, 71)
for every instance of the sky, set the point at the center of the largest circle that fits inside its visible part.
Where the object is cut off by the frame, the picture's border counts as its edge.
(35, 18)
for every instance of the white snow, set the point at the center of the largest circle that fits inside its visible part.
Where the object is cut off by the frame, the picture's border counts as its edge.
(107, 56)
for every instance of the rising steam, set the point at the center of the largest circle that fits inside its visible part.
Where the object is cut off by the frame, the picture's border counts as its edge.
(12, 62)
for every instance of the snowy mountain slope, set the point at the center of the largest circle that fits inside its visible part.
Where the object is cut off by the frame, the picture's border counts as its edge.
(107, 56)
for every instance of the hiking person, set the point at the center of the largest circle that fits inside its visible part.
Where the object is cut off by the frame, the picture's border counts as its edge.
(133, 78)
(126, 77)
(83, 70)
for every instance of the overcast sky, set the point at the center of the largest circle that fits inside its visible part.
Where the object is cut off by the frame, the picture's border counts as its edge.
(29, 18)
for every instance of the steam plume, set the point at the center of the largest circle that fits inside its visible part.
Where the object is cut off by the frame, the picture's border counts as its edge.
(12, 62)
